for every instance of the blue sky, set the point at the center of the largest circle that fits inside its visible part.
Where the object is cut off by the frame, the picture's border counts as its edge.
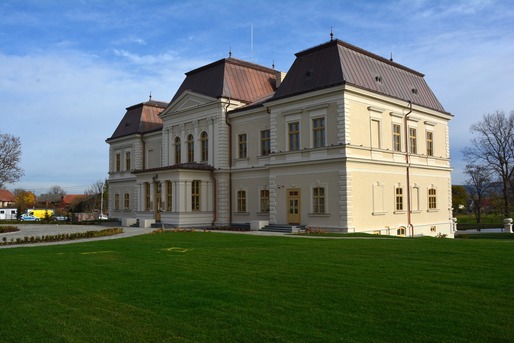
(68, 69)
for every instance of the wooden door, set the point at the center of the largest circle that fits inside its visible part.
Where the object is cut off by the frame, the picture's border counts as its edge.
(293, 206)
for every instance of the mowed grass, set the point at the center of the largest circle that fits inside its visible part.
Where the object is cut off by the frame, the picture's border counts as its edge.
(214, 287)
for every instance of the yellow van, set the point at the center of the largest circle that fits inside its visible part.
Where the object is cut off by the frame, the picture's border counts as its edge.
(41, 214)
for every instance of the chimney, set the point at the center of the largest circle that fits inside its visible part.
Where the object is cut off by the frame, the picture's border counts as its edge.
(279, 77)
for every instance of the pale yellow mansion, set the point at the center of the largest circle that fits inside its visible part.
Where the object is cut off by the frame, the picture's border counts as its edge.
(345, 140)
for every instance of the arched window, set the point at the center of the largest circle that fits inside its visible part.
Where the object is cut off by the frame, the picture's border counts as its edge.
(177, 150)
(204, 142)
(400, 231)
(190, 149)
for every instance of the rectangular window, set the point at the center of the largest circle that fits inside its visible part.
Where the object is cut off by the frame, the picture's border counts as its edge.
(242, 145)
(318, 200)
(294, 136)
(432, 199)
(118, 162)
(318, 132)
(241, 201)
(413, 149)
(265, 143)
(397, 138)
(430, 143)
(399, 199)
(375, 133)
(195, 195)
(116, 202)
(147, 196)
(127, 160)
(169, 195)
(126, 201)
(264, 200)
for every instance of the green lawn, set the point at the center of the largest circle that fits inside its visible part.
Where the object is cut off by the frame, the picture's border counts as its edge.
(214, 287)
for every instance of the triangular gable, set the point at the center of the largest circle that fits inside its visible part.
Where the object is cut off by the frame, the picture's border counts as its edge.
(186, 101)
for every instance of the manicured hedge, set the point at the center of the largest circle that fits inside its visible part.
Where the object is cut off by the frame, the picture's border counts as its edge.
(61, 237)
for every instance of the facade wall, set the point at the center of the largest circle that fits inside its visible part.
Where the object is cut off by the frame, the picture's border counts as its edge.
(336, 158)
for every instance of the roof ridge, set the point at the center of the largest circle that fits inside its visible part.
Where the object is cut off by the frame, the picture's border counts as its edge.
(358, 50)
(154, 103)
(234, 61)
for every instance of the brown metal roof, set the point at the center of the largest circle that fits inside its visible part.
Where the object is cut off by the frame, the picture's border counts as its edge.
(231, 78)
(140, 118)
(336, 63)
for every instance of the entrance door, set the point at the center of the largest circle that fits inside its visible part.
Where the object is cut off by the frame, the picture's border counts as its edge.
(293, 206)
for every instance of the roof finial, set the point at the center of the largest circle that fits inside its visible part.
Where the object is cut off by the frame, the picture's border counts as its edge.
(273, 64)
(331, 34)
(391, 58)
(150, 97)
(230, 52)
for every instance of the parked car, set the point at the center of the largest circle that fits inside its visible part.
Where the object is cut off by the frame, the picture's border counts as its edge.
(103, 217)
(28, 218)
(57, 218)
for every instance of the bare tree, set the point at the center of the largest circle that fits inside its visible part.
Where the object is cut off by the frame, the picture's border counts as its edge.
(10, 157)
(96, 191)
(95, 188)
(493, 147)
(57, 190)
(479, 183)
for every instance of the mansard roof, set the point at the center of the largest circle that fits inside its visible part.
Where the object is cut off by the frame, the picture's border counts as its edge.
(140, 119)
(337, 63)
(230, 78)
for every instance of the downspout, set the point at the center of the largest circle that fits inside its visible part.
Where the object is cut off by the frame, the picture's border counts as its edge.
(229, 163)
(407, 161)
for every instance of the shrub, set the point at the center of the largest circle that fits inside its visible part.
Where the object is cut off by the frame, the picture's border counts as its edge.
(9, 228)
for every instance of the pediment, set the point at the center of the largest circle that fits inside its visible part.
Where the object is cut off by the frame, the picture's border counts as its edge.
(188, 100)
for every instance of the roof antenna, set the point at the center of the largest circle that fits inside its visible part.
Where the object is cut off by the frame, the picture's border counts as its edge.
(331, 34)
(391, 58)
(230, 52)
(251, 40)
(150, 97)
